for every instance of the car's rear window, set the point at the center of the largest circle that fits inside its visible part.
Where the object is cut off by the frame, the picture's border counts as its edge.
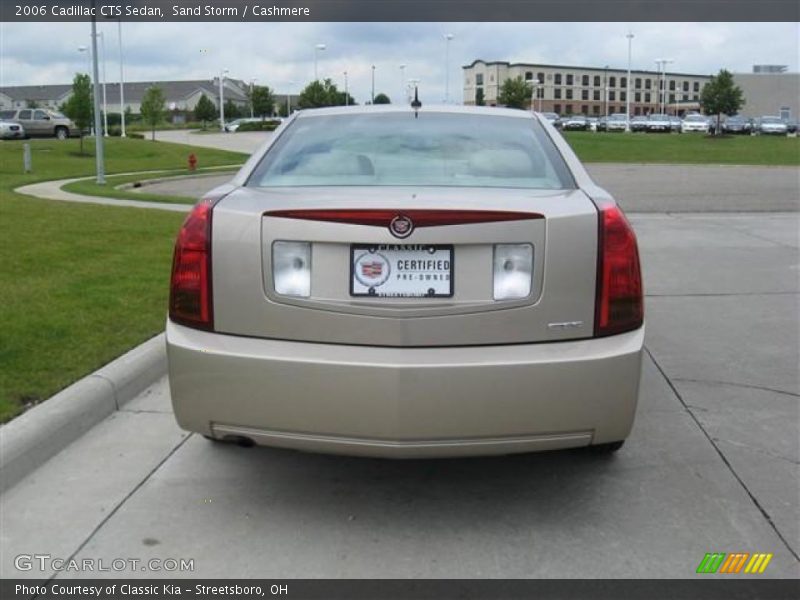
(397, 149)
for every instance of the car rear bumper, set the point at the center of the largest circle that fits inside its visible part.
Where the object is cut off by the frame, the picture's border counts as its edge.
(405, 402)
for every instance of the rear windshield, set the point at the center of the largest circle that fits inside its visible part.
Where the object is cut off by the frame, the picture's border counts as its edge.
(396, 149)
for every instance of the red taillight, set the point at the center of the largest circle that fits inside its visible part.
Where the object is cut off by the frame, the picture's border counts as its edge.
(190, 290)
(619, 306)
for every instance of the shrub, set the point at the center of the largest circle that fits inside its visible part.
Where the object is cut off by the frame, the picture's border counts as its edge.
(259, 126)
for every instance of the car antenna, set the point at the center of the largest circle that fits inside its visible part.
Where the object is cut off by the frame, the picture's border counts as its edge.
(415, 103)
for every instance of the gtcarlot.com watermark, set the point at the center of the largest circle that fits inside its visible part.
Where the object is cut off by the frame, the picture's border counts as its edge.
(48, 562)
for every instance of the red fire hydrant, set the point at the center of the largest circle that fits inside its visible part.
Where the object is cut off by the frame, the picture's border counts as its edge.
(192, 162)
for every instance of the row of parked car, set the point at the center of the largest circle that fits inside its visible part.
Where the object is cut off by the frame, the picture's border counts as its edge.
(660, 123)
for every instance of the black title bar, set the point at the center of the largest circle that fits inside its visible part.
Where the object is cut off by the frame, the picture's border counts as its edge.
(400, 10)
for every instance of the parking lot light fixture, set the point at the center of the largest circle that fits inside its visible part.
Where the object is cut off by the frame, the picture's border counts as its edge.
(403, 93)
(346, 94)
(121, 81)
(98, 139)
(373, 84)
(105, 97)
(252, 81)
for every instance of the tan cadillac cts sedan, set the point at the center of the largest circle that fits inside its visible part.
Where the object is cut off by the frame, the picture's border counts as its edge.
(400, 282)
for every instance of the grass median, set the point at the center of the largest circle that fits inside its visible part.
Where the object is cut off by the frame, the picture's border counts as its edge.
(685, 148)
(80, 284)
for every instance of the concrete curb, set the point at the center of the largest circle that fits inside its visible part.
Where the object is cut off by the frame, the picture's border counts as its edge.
(42, 432)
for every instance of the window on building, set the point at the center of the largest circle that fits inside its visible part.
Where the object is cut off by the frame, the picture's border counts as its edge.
(612, 81)
(569, 79)
(479, 79)
(685, 86)
(596, 95)
(637, 110)
(557, 108)
(695, 97)
(557, 93)
(568, 108)
(584, 109)
(569, 93)
(585, 80)
(528, 75)
(686, 97)
(785, 113)
(647, 84)
(647, 98)
(623, 82)
(672, 98)
(584, 94)
(597, 80)
(612, 95)
(696, 87)
(623, 96)
(558, 79)
(595, 110)
(672, 85)
(540, 77)
(638, 83)
(540, 92)
(637, 97)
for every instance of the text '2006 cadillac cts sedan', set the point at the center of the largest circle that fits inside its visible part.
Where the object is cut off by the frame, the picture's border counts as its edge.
(385, 281)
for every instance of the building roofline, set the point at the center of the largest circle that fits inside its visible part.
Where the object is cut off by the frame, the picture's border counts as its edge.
(598, 69)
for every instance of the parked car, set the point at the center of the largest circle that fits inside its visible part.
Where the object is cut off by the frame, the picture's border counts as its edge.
(575, 123)
(41, 122)
(592, 123)
(617, 122)
(658, 123)
(385, 281)
(675, 124)
(771, 126)
(551, 116)
(232, 126)
(11, 131)
(602, 124)
(639, 123)
(736, 125)
(791, 125)
(694, 123)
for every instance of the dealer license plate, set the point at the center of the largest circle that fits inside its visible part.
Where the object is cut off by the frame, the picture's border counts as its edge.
(401, 271)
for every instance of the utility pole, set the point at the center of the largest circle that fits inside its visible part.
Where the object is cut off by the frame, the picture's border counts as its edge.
(121, 79)
(373, 84)
(105, 102)
(346, 94)
(447, 38)
(222, 100)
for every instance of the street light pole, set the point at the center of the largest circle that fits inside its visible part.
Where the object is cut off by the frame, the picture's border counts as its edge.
(88, 51)
(605, 90)
(628, 86)
(373, 84)
(317, 49)
(447, 38)
(403, 81)
(98, 139)
(105, 103)
(121, 80)
(222, 100)
(252, 81)
(346, 93)
(664, 86)
(289, 99)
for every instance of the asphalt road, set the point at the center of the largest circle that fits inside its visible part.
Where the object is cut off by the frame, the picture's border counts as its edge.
(712, 464)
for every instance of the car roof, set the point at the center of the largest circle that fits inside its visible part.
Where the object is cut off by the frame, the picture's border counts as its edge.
(489, 111)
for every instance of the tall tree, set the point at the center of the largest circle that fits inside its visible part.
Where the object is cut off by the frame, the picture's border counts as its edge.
(205, 110)
(321, 93)
(79, 105)
(152, 107)
(232, 110)
(515, 93)
(479, 98)
(382, 99)
(263, 101)
(721, 96)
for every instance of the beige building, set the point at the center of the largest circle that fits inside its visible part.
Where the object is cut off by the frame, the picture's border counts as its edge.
(589, 91)
(775, 93)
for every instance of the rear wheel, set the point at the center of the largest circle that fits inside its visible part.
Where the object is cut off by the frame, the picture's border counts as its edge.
(62, 133)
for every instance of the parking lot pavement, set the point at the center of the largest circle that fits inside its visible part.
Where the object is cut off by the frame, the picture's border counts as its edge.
(711, 464)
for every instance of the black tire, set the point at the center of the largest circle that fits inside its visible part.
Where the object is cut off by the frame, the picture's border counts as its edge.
(609, 448)
(62, 133)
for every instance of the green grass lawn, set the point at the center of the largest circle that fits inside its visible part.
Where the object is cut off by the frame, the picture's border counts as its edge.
(80, 284)
(686, 148)
(90, 187)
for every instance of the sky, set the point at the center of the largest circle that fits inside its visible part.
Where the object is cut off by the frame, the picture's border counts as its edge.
(281, 55)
